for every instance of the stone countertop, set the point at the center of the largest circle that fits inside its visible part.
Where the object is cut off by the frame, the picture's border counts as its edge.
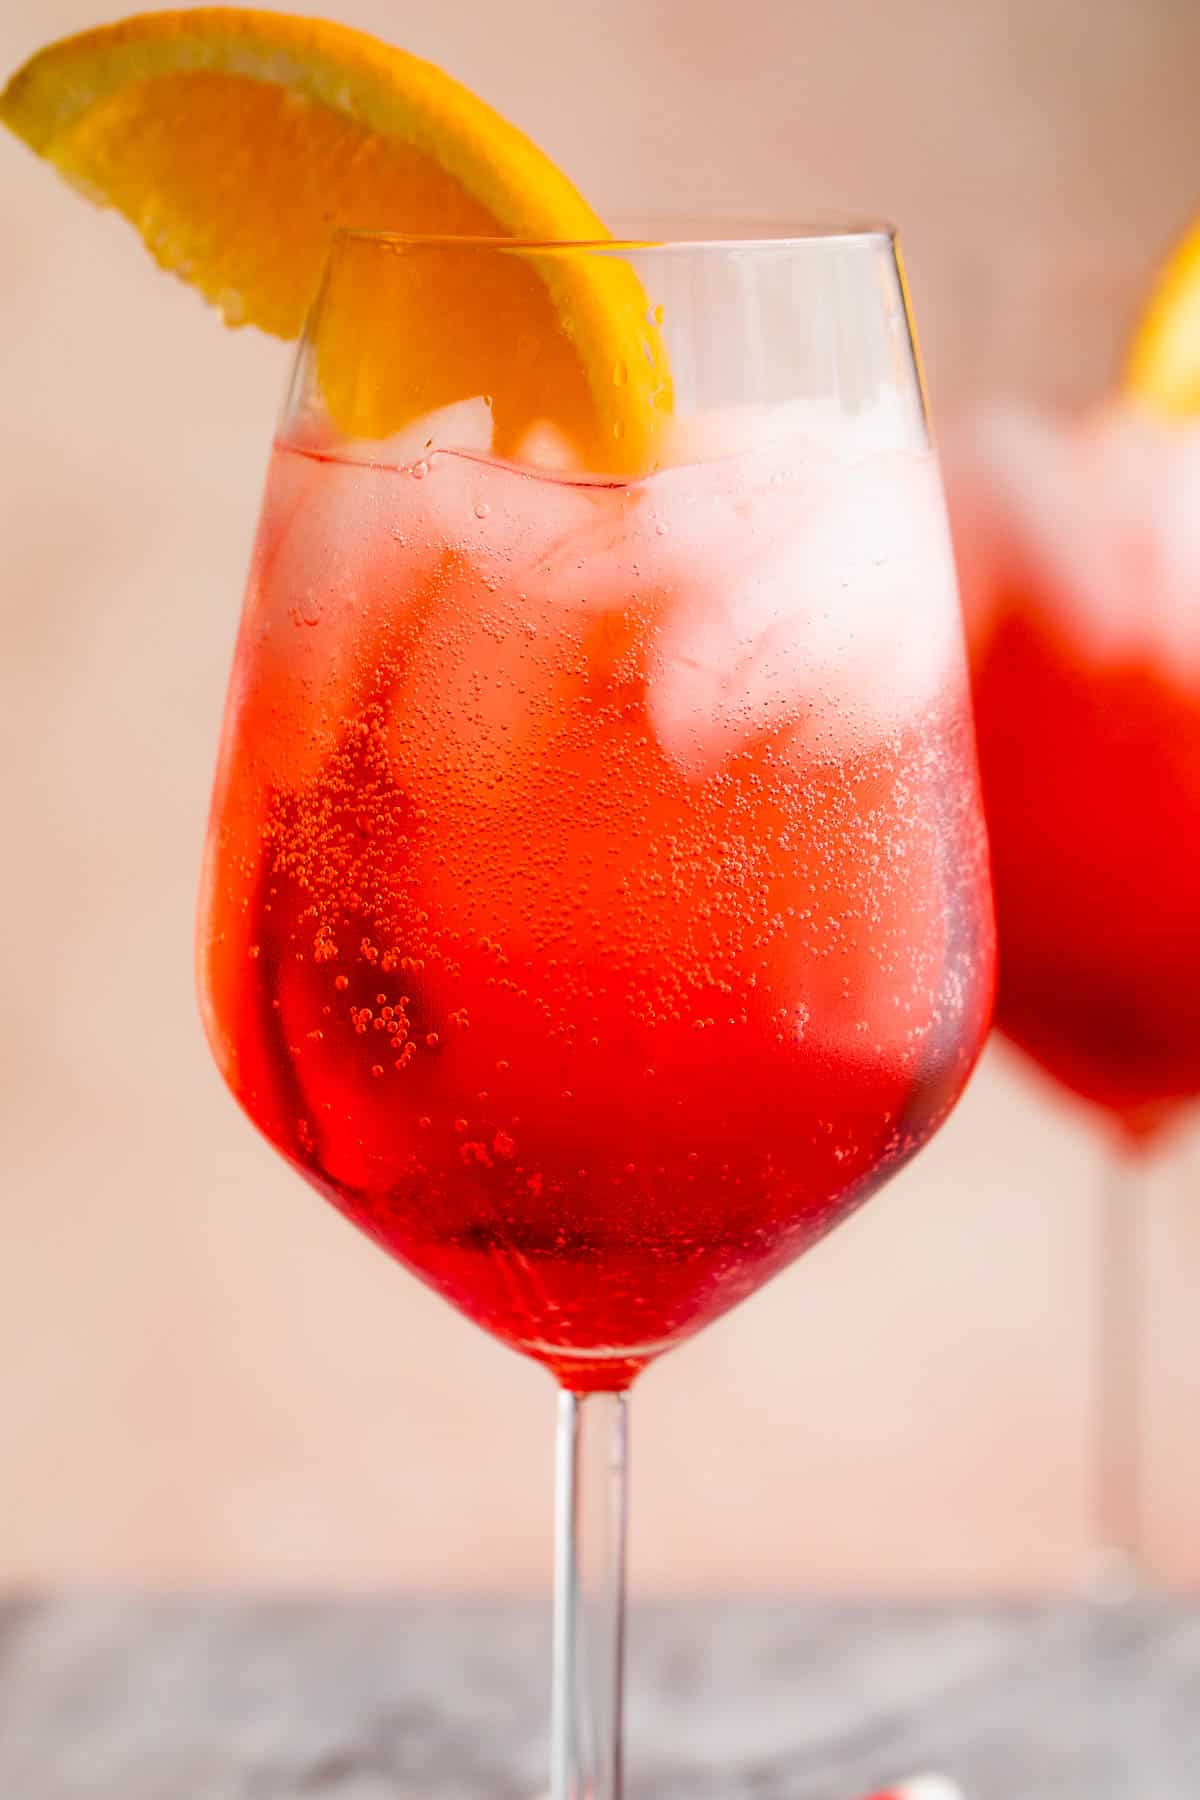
(120, 1697)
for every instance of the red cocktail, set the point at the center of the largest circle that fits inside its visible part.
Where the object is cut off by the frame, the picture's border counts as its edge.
(596, 912)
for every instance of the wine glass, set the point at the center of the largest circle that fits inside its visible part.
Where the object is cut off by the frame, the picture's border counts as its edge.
(1081, 571)
(596, 905)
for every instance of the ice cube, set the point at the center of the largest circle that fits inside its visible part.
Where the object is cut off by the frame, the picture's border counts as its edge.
(466, 425)
(820, 422)
(545, 447)
(819, 596)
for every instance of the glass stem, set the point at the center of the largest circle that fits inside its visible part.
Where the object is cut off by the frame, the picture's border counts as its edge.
(1118, 1471)
(589, 1596)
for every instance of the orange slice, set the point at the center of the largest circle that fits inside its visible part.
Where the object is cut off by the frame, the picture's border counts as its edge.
(238, 141)
(1164, 362)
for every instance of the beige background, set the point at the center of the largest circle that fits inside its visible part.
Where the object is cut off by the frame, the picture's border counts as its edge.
(203, 1373)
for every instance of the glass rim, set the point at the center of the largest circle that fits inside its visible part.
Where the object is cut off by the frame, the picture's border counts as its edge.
(660, 236)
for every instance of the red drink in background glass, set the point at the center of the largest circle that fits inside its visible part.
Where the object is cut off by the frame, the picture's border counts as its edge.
(1080, 554)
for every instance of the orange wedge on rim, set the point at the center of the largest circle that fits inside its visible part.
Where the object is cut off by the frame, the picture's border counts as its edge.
(1164, 362)
(237, 142)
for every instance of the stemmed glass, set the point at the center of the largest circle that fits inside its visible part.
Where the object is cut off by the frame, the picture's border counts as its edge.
(1081, 570)
(596, 906)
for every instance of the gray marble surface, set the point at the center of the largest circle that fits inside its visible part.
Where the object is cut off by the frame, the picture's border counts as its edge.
(109, 1697)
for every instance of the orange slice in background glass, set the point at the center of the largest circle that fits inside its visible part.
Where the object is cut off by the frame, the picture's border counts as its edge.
(1163, 371)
